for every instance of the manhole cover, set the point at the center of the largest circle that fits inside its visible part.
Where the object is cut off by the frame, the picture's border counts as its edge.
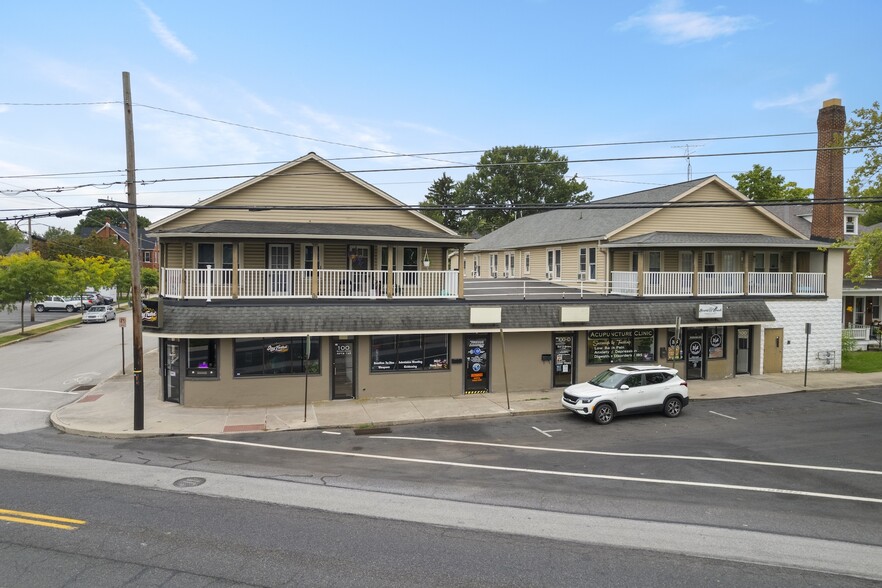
(189, 482)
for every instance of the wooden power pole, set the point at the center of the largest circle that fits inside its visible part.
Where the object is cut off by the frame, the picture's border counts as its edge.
(134, 258)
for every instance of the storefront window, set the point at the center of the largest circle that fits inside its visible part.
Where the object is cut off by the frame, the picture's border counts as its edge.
(409, 352)
(272, 357)
(621, 346)
(716, 342)
(202, 358)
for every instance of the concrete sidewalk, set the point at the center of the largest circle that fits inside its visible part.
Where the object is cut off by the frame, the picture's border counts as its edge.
(107, 410)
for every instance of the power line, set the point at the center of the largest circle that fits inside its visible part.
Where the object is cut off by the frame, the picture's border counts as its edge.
(105, 185)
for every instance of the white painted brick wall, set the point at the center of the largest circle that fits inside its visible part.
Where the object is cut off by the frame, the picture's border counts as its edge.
(825, 317)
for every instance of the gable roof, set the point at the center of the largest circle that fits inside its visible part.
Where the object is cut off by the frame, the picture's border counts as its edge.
(594, 221)
(269, 229)
(122, 233)
(311, 156)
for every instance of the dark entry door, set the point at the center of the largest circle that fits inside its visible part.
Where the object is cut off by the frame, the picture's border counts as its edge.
(694, 354)
(343, 372)
(742, 352)
(563, 359)
(477, 363)
(171, 388)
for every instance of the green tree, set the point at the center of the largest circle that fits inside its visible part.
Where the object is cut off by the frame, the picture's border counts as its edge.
(23, 276)
(863, 133)
(9, 236)
(508, 178)
(70, 244)
(442, 195)
(96, 218)
(761, 185)
(76, 274)
(121, 276)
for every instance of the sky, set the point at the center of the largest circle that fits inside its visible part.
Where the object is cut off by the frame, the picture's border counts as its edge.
(227, 89)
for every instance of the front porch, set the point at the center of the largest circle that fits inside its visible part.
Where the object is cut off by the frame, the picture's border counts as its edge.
(649, 284)
(210, 283)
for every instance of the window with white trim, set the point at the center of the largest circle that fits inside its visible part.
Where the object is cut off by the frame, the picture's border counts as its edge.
(851, 224)
(526, 263)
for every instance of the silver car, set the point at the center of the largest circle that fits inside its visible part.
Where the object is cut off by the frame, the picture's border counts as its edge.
(99, 314)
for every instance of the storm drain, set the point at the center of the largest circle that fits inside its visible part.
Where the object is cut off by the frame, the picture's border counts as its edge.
(82, 388)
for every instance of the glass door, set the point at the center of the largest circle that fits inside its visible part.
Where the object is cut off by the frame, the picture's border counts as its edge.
(742, 352)
(694, 354)
(171, 389)
(279, 257)
(343, 369)
(563, 353)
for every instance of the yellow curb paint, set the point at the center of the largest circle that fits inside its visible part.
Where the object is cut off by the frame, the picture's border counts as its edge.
(34, 515)
(35, 522)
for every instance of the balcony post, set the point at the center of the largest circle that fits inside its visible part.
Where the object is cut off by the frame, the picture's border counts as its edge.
(390, 287)
(234, 284)
(184, 270)
(746, 268)
(640, 278)
(794, 286)
(460, 276)
(696, 259)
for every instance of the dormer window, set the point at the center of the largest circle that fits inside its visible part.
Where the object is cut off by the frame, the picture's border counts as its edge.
(851, 224)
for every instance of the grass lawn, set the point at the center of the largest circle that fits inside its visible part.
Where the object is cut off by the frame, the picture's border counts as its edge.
(862, 362)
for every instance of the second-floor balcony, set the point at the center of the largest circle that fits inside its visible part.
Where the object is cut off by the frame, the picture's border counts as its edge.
(210, 283)
(717, 284)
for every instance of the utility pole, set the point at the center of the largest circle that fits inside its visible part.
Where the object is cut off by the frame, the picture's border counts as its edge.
(31, 250)
(134, 257)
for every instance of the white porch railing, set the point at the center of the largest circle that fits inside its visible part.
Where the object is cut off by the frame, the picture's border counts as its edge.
(769, 283)
(720, 283)
(298, 283)
(858, 333)
(623, 283)
(809, 284)
(667, 283)
(278, 283)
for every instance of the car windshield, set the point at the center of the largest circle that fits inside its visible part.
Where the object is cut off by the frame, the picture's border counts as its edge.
(608, 379)
(98, 309)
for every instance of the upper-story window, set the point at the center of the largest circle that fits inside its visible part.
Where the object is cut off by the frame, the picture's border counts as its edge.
(655, 261)
(588, 263)
(476, 266)
(148, 256)
(494, 264)
(851, 224)
(526, 263)
(710, 261)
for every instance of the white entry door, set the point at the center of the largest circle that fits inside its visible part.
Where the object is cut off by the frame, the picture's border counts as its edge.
(279, 263)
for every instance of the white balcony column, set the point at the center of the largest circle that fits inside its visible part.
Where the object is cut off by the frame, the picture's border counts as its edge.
(748, 256)
(640, 278)
(234, 282)
(461, 273)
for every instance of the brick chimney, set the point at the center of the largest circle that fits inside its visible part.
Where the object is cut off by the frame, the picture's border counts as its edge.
(828, 223)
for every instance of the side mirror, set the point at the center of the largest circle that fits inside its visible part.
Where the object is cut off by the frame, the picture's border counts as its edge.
(624, 387)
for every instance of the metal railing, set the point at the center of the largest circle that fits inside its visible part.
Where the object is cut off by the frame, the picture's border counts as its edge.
(623, 283)
(809, 284)
(769, 283)
(667, 283)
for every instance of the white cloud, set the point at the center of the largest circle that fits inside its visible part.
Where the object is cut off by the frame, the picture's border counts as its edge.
(672, 25)
(809, 97)
(166, 37)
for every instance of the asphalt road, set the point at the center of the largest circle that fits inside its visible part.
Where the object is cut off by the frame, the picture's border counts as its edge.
(42, 373)
(10, 320)
(126, 535)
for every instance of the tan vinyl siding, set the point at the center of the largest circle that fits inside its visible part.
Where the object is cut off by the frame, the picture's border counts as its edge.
(174, 255)
(254, 256)
(735, 219)
(307, 184)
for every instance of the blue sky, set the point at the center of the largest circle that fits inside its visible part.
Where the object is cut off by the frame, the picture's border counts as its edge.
(357, 79)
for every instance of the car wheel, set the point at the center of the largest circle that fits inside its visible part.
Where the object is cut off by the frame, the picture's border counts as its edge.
(40, 308)
(106, 318)
(69, 308)
(603, 414)
(673, 406)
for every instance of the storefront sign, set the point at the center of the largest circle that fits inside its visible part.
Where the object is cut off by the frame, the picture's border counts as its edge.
(620, 346)
(150, 314)
(710, 311)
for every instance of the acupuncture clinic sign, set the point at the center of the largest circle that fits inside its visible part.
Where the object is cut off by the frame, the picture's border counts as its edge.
(709, 311)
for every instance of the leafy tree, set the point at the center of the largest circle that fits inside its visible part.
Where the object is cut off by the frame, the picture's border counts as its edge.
(442, 194)
(76, 274)
(761, 185)
(96, 218)
(864, 133)
(509, 177)
(23, 276)
(9, 236)
(55, 233)
(70, 244)
(121, 276)
(149, 277)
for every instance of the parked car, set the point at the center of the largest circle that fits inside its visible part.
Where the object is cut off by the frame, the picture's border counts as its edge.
(65, 303)
(90, 299)
(99, 314)
(628, 389)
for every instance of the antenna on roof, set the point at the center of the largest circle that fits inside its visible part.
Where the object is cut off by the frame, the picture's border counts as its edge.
(688, 152)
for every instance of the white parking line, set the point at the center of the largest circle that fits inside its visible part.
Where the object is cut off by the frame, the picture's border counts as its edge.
(650, 455)
(722, 415)
(873, 401)
(546, 433)
(26, 409)
(331, 433)
(37, 390)
(550, 472)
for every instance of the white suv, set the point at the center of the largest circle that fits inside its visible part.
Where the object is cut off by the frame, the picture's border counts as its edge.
(59, 303)
(628, 389)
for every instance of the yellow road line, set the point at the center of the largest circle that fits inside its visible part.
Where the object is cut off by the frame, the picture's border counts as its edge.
(32, 518)
(35, 522)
